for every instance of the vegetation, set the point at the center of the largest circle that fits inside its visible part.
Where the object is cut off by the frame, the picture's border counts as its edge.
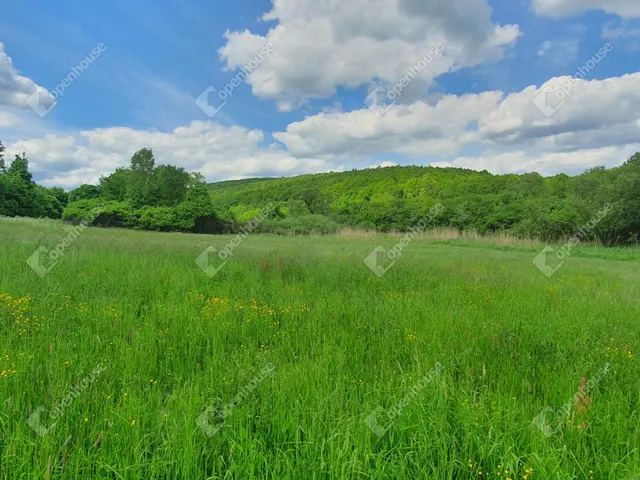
(168, 198)
(21, 196)
(396, 198)
(125, 343)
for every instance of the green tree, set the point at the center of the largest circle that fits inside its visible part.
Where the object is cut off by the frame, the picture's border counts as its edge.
(169, 185)
(140, 183)
(84, 192)
(115, 186)
(20, 168)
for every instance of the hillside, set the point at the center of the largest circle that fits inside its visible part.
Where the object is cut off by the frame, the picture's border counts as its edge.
(395, 198)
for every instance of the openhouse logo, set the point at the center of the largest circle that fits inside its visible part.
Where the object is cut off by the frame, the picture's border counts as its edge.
(224, 254)
(550, 99)
(380, 260)
(559, 256)
(37, 421)
(381, 99)
(53, 256)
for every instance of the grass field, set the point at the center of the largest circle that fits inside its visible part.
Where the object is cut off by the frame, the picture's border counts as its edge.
(295, 361)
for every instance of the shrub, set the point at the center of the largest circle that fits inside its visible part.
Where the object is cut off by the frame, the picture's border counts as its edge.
(303, 225)
(162, 219)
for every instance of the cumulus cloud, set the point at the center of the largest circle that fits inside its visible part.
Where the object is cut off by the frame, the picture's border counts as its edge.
(216, 151)
(559, 8)
(490, 120)
(15, 88)
(616, 101)
(419, 128)
(322, 45)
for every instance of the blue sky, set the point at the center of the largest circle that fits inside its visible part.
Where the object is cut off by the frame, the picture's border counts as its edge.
(304, 108)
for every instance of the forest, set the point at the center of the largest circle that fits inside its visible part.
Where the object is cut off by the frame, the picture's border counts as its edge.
(396, 198)
(167, 198)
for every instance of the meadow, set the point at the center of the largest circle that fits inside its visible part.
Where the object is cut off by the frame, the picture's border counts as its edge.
(295, 361)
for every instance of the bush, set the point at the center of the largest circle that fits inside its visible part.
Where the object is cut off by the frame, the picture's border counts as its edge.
(161, 219)
(75, 212)
(100, 213)
(304, 225)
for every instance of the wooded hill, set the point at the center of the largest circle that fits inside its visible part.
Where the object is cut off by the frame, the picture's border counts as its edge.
(395, 198)
(168, 198)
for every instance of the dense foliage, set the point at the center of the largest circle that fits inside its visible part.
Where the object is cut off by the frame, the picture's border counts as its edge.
(20, 196)
(396, 198)
(168, 198)
(149, 197)
(143, 196)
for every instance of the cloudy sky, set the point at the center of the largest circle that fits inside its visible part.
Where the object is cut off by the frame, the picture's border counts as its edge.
(503, 85)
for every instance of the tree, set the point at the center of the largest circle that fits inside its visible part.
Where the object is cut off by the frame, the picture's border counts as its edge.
(169, 185)
(140, 182)
(84, 192)
(114, 187)
(20, 168)
(143, 162)
(634, 160)
(2, 150)
(60, 195)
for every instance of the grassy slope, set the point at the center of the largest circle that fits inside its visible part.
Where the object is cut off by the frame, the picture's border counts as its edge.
(342, 341)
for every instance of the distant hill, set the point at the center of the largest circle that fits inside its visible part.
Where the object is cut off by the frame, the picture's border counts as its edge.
(398, 197)
(235, 183)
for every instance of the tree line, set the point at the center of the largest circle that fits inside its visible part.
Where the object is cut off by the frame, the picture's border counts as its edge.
(20, 196)
(168, 198)
(396, 198)
(142, 196)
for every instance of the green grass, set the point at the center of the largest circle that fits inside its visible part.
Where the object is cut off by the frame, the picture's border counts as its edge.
(342, 341)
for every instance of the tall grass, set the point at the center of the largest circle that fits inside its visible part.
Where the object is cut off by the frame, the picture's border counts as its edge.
(174, 342)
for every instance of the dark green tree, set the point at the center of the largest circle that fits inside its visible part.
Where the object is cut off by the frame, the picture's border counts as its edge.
(115, 186)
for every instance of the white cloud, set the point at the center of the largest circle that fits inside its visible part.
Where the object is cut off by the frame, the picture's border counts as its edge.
(384, 165)
(15, 88)
(545, 163)
(321, 45)
(611, 32)
(489, 120)
(513, 134)
(420, 128)
(8, 119)
(559, 8)
(517, 121)
(559, 52)
(216, 151)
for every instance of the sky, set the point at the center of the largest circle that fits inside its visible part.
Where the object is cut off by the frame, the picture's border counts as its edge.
(259, 88)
